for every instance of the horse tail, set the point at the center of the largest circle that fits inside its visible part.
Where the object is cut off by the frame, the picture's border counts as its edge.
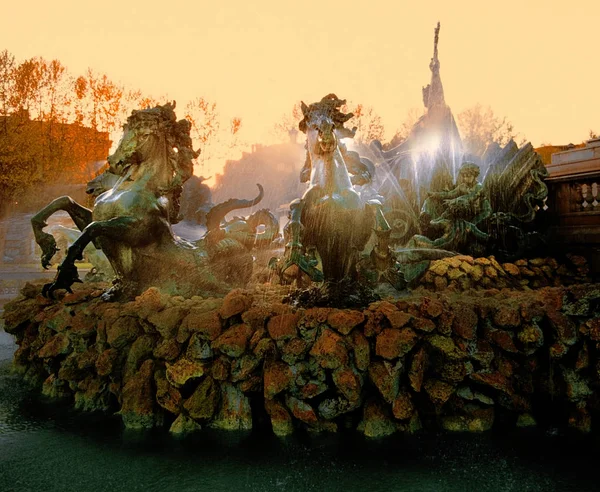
(266, 218)
(216, 214)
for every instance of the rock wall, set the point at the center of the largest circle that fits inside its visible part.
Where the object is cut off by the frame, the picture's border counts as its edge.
(453, 361)
(462, 273)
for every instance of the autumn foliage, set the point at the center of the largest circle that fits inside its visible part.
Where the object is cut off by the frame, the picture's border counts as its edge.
(54, 126)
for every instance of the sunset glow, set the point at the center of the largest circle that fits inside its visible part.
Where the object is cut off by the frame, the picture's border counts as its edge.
(529, 61)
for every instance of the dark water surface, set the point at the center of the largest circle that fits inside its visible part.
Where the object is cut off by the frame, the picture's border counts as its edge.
(45, 446)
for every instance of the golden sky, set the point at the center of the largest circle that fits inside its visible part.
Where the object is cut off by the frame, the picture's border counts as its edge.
(534, 62)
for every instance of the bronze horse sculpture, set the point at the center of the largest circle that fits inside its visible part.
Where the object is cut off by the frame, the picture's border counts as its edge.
(331, 225)
(131, 222)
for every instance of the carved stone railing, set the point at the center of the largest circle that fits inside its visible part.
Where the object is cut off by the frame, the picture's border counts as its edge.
(574, 199)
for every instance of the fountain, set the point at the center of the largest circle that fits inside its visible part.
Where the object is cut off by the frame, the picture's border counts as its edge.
(489, 332)
(131, 222)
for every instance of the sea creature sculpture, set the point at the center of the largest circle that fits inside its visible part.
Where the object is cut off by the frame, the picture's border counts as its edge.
(515, 187)
(427, 209)
(424, 162)
(457, 213)
(493, 217)
(258, 230)
(131, 222)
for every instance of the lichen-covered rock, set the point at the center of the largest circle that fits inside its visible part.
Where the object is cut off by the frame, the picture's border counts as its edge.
(532, 338)
(59, 344)
(243, 367)
(265, 348)
(507, 316)
(92, 395)
(431, 308)
(283, 326)
(403, 407)
(577, 387)
(198, 348)
(123, 331)
(480, 420)
(493, 379)
(207, 324)
(580, 420)
(330, 350)
(281, 420)
(183, 370)
(511, 269)
(348, 382)
(204, 401)
(438, 391)
(502, 339)
(183, 425)
(107, 362)
(417, 369)
(376, 422)
(256, 317)
(138, 409)
(386, 378)
(423, 324)
(301, 410)
(149, 302)
(392, 343)
(464, 322)
(526, 420)
(141, 349)
(361, 350)
(439, 267)
(53, 387)
(235, 412)
(465, 356)
(167, 396)
(397, 319)
(294, 350)
(83, 325)
(564, 328)
(445, 346)
(219, 370)
(277, 378)
(235, 302)
(167, 321)
(344, 321)
(233, 342)
(18, 313)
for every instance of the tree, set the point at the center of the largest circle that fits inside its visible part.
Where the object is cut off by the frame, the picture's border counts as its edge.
(367, 121)
(203, 116)
(287, 126)
(480, 127)
(43, 139)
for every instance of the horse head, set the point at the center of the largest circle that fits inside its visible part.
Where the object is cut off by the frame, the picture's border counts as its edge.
(323, 124)
(156, 147)
(101, 183)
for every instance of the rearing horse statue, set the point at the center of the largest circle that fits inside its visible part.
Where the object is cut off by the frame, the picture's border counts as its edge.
(131, 222)
(331, 221)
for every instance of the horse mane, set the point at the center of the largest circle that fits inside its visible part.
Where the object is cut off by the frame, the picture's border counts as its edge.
(328, 106)
(180, 153)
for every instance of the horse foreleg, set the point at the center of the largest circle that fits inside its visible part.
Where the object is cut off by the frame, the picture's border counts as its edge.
(294, 249)
(381, 254)
(80, 215)
(113, 229)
